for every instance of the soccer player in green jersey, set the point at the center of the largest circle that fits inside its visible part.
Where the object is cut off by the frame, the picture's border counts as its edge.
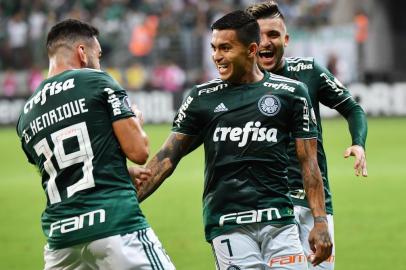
(323, 88)
(78, 128)
(244, 119)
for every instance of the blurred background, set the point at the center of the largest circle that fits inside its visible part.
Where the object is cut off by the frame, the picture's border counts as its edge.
(158, 49)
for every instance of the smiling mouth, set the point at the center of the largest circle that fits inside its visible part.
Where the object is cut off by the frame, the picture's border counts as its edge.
(222, 67)
(266, 54)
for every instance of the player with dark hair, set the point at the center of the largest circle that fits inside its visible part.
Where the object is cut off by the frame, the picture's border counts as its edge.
(78, 128)
(323, 88)
(244, 119)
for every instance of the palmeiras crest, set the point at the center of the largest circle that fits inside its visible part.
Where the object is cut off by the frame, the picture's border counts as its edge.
(269, 105)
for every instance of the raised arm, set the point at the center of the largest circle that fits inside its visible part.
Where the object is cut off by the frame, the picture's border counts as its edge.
(319, 238)
(163, 163)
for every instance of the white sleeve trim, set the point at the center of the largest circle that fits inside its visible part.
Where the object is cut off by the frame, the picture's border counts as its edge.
(184, 133)
(340, 102)
(307, 138)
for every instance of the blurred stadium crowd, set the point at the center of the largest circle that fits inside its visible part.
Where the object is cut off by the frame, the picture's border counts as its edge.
(147, 44)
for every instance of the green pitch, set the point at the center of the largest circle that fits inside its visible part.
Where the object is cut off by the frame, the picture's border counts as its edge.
(369, 213)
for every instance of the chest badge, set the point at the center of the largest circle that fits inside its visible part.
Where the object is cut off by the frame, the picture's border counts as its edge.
(269, 105)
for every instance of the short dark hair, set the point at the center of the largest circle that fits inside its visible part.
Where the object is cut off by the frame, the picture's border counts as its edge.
(67, 32)
(245, 25)
(263, 10)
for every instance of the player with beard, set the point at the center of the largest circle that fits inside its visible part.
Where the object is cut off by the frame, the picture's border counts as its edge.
(244, 119)
(78, 129)
(323, 88)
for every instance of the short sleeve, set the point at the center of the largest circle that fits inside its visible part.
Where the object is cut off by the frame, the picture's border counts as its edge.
(331, 91)
(118, 103)
(304, 124)
(186, 120)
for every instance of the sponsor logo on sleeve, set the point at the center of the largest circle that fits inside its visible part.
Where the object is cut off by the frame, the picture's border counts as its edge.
(114, 101)
(182, 109)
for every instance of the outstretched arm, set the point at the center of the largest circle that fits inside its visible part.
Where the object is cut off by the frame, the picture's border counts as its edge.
(163, 163)
(357, 124)
(319, 238)
(360, 163)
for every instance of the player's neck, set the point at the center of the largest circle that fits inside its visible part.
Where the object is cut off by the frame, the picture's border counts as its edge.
(255, 75)
(59, 64)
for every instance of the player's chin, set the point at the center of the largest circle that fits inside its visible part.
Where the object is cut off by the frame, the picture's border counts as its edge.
(225, 76)
(267, 65)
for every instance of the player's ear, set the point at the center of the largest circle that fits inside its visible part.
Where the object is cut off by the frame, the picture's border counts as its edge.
(81, 52)
(286, 40)
(252, 49)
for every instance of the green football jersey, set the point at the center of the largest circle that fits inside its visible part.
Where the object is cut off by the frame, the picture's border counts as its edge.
(323, 88)
(246, 130)
(66, 131)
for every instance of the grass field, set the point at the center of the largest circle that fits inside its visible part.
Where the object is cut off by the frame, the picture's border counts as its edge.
(369, 213)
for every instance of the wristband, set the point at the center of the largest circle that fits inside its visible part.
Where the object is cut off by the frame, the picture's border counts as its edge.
(320, 219)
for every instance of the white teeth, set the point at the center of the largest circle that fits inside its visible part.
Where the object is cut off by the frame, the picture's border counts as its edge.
(265, 51)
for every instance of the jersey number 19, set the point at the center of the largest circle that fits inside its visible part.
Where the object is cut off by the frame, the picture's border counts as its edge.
(83, 155)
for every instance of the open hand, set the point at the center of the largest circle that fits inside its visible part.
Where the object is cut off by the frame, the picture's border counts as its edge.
(360, 164)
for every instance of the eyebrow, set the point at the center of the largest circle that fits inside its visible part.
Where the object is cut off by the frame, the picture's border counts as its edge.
(221, 44)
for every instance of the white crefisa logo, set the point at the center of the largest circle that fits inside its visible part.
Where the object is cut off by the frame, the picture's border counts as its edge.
(269, 105)
(52, 88)
(251, 130)
(182, 109)
(300, 66)
(281, 86)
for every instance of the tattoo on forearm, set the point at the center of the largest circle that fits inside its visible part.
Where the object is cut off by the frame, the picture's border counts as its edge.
(165, 161)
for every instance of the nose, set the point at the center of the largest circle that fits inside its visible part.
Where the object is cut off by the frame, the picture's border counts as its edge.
(216, 55)
(265, 41)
